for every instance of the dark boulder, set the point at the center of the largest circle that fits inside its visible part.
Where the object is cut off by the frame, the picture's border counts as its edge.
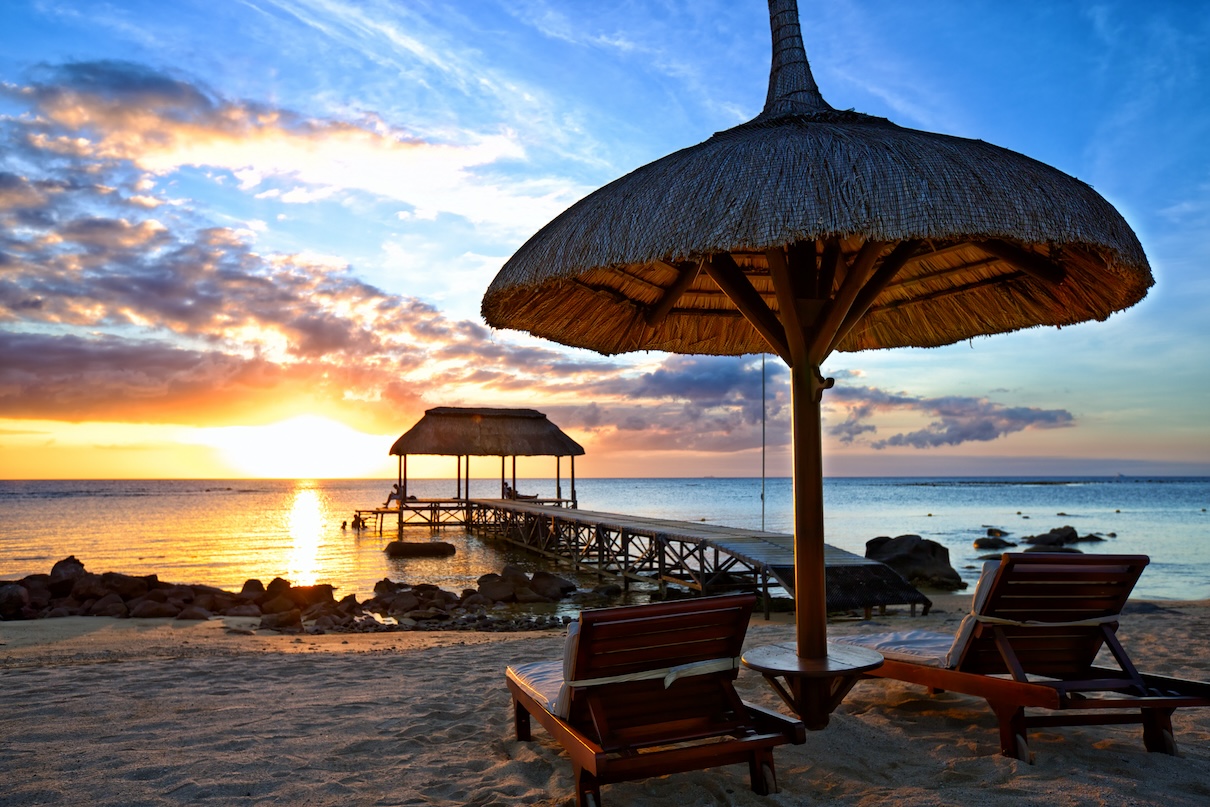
(179, 594)
(922, 562)
(402, 603)
(193, 612)
(386, 587)
(515, 573)
(1059, 536)
(88, 586)
(284, 620)
(60, 611)
(247, 609)
(476, 600)
(349, 605)
(253, 587)
(527, 595)
(63, 576)
(38, 587)
(305, 596)
(278, 605)
(127, 586)
(497, 589)
(551, 586)
(106, 606)
(277, 586)
(14, 599)
(992, 543)
(148, 608)
(419, 549)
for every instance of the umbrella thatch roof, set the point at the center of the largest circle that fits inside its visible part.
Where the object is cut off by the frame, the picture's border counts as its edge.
(809, 230)
(458, 431)
(958, 237)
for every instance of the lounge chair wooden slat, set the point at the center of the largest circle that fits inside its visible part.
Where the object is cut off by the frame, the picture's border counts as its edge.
(672, 645)
(627, 730)
(1052, 667)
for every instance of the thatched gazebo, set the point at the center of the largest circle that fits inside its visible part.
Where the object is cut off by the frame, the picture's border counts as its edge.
(463, 433)
(809, 230)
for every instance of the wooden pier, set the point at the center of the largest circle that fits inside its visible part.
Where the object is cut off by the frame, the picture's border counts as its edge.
(437, 513)
(706, 558)
(702, 557)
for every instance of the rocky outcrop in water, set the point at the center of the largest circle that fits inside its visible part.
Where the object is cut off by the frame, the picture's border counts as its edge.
(922, 562)
(71, 590)
(1059, 538)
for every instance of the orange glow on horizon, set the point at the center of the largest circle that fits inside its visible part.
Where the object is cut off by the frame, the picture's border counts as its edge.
(303, 447)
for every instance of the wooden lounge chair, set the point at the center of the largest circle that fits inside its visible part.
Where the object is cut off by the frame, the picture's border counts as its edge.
(1036, 625)
(649, 690)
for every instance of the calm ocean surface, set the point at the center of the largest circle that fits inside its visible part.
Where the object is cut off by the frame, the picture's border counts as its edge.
(223, 532)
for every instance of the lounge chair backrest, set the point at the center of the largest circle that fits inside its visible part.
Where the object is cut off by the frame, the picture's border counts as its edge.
(1053, 608)
(615, 644)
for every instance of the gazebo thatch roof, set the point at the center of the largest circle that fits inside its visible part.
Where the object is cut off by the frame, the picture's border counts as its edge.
(457, 431)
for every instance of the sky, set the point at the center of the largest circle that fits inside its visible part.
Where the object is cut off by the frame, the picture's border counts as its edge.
(244, 239)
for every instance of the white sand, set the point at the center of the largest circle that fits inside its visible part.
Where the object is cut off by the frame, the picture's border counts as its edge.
(147, 712)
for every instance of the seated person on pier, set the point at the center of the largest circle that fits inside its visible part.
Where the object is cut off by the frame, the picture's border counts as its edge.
(511, 493)
(394, 496)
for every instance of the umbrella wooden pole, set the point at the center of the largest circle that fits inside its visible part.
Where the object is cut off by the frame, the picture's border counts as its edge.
(810, 593)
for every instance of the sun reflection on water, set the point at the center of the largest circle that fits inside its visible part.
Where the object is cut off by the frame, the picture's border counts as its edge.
(305, 523)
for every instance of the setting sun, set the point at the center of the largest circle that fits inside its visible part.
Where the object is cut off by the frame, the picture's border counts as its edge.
(303, 447)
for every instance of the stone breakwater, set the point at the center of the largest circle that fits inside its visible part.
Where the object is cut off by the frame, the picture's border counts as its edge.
(71, 590)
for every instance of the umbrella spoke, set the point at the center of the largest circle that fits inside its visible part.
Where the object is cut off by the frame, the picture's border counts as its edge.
(891, 264)
(1028, 261)
(730, 278)
(842, 303)
(687, 273)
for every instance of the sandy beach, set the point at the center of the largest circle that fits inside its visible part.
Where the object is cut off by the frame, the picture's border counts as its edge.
(104, 711)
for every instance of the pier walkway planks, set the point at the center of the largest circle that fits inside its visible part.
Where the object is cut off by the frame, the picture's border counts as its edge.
(703, 557)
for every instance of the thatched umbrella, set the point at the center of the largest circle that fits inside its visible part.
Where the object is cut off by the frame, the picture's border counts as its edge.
(808, 230)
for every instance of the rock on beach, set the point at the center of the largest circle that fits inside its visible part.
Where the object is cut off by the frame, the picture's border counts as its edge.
(71, 590)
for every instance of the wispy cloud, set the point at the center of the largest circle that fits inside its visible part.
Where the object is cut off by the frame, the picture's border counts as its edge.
(118, 112)
(956, 419)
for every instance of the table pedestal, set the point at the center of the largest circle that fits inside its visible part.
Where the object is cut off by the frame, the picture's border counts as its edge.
(813, 688)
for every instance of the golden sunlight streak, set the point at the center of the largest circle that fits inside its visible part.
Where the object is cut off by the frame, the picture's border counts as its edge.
(306, 531)
(304, 447)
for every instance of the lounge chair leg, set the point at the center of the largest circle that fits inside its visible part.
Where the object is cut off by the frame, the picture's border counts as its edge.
(588, 790)
(1157, 731)
(1013, 742)
(762, 773)
(521, 721)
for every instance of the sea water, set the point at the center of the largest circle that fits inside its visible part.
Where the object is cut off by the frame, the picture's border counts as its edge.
(222, 533)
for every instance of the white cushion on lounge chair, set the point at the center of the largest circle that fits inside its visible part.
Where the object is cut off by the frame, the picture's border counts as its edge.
(543, 681)
(927, 647)
(546, 681)
(916, 646)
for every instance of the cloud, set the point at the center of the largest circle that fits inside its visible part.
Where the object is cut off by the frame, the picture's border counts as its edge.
(114, 111)
(117, 309)
(957, 420)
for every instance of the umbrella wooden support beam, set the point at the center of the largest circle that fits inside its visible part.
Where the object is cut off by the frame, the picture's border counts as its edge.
(811, 313)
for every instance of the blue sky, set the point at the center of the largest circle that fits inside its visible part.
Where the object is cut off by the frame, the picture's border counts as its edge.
(229, 214)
